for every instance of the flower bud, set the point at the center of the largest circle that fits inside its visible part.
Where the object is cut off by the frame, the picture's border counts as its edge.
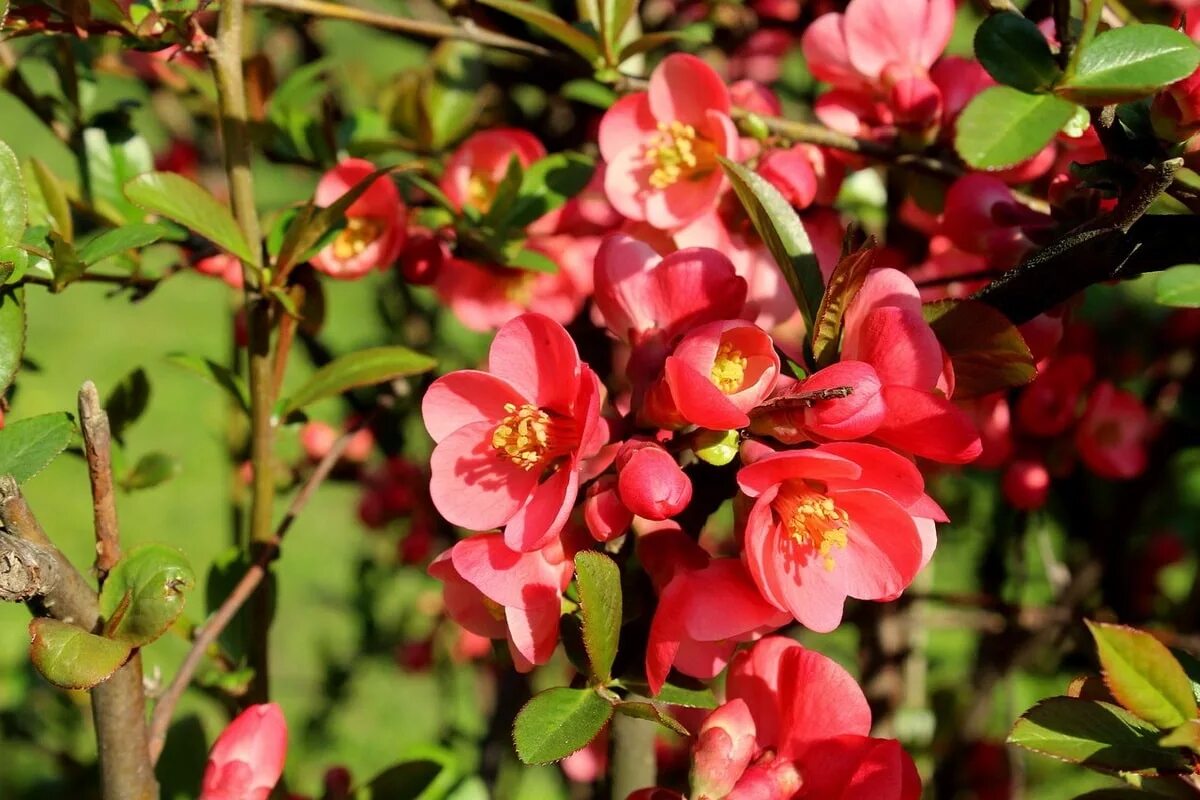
(792, 174)
(422, 258)
(247, 759)
(1175, 112)
(1026, 484)
(724, 746)
(604, 514)
(649, 481)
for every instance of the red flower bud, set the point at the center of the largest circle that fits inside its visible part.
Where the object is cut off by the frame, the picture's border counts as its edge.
(422, 258)
(604, 514)
(724, 746)
(1026, 484)
(649, 481)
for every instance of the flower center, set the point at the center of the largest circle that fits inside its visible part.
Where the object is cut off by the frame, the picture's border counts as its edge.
(523, 435)
(813, 519)
(356, 236)
(480, 192)
(729, 369)
(676, 153)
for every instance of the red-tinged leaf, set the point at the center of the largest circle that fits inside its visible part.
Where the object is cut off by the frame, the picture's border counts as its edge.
(844, 283)
(652, 712)
(72, 658)
(1186, 735)
(987, 351)
(1143, 675)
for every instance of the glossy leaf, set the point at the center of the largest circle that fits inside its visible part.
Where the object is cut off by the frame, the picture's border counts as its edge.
(12, 334)
(649, 711)
(28, 445)
(844, 283)
(55, 196)
(1143, 675)
(115, 155)
(215, 373)
(987, 351)
(180, 200)
(548, 184)
(1014, 52)
(554, 27)
(599, 582)
(362, 368)
(1130, 62)
(14, 205)
(1186, 735)
(67, 266)
(145, 593)
(532, 261)
(113, 242)
(72, 658)
(558, 722)
(1179, 286)
(783, 233)
(674, 695)
(1002, 126)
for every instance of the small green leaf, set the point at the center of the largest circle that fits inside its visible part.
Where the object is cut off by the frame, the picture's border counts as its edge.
(554, 27)
(127, 402)
(1143, 675)
(1014, 52)
(1002, 126)
(987, 351)
(716, 447)
(180, 200)
(407, 781)
(600, 601)
(70, 657)
(1130, 62)
(1095, 734)
(215, 373)
(614, 16)
(1179, 286)
(547, 185)
(67, 266)
(150, 470)
(12, 334)
(145, 593)
(119, 240)
(645, 710)
(55, 196)
(1186, 735)
(361, 368)
(674, 695)
(532, 261)
(28, 445)
(783, 233)
(590, 92)
(14, 203)
(558, 722)
(115, 156)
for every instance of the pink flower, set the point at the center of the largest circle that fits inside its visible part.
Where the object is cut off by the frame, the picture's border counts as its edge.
(715, 376)
(660, 146)
(1050, 405)
(791, 172)
(650, 482)
(247, 759)
(982, 216)
(375, 222)
(223, 266)
(511, 441)
(1112, 435)
(841, 520)
(604, 513)
(1175, 113)
(494, 591)
(723, 748)
(474, 171)
(705, 608)
(812, 726)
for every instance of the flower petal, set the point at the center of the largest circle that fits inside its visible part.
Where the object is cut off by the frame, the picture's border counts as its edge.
(538, 358)
(465, 397)
(543, 517)
(684, 88)
(471, 485)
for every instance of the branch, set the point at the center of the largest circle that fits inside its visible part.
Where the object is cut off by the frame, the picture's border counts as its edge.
(97, 447)
(26, 570)
(206, 636)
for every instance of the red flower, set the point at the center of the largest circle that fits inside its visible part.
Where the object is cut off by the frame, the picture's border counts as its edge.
(247, 759)
(375, 222)
(661, 145)
(649, 482)
(1111, 437)
(512, 440)
(841, 520)
(476, 168)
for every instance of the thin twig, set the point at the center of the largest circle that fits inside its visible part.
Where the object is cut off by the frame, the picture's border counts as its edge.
(97, 448)
(160, 720)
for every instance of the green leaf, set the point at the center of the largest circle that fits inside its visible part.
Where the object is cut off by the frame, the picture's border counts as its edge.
(1014, 52)
(532, 261)
(614, 16)
(674, 695)
(1094, 734)
(844, 282)
(119, 240)
(783, 233)
(67, 266)
(649, 711)
(55, 196)
(151, 470)
(450, 99)
(178, 199)
(362, 368)
(127, 402)
(600, 601)
(558, 722)
(114, 157)
(1179, 286)
(1130, 62)
(506, 193)
(28, 445)
(554, 27)
(14, 203)
(145, 593)
(215, 373)
(987, 351)
(1186, 735)
(547, 185)
(585, 90)
(407, 781)
(1003, 126)
(653, 41)
(72, 658)
(1143, 675)
(12, 334)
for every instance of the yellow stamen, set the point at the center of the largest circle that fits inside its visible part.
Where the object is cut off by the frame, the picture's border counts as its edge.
(481, 191)
(356, 237)
(728, 369)
(523, 436)
(675, 152)
(815, 520)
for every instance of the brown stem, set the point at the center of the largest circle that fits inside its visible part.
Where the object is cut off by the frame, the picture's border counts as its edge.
(207, 635)
(231, 98)
(26, 570)
(97, 445)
